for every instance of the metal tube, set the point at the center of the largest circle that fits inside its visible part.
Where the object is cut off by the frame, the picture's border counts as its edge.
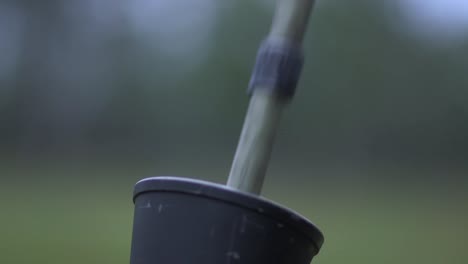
(263, 115)
(256, 142)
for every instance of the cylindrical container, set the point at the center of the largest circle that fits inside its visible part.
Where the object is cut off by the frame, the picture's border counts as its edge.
(182, 221)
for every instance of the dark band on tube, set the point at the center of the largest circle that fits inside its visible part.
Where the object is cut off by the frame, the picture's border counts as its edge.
(277, 68)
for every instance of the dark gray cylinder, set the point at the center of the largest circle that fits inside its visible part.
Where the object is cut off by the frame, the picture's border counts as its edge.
(180, 221)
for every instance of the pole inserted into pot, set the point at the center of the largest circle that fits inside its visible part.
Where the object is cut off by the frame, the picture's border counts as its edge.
(180, 220)
(274, 79)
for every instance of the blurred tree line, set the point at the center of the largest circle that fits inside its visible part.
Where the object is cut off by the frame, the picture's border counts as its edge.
(88, 82)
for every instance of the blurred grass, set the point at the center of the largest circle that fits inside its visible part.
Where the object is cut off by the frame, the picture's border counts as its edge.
(85, 216)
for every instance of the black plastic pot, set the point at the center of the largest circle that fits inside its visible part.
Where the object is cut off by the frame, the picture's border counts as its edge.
(187, 221)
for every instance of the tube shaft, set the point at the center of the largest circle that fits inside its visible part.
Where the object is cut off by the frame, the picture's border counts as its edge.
(265, 108)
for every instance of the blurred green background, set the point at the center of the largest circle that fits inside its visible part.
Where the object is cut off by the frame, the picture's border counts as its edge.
(95, 95)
